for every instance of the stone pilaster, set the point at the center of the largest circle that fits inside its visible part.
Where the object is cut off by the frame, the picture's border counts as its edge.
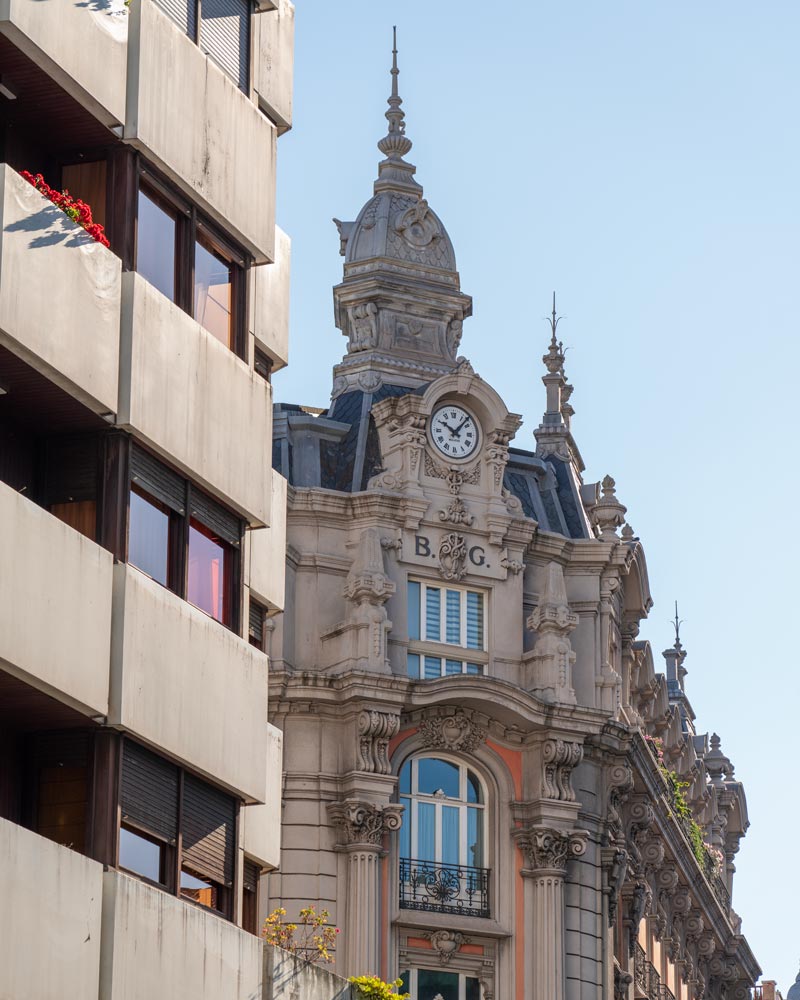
(547, 852)
(362, 826)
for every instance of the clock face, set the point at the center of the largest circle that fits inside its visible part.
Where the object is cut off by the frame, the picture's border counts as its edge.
(454, 432)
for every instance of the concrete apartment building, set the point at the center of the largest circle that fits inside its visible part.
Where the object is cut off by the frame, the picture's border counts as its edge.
(488, 782)
(143, 530)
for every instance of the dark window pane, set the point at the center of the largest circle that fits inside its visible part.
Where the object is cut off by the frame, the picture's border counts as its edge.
(140, 855)
(207, 569)
(474, 793)
(431, 985)
(148, 537)
(405, 778)
(437, 776)
(473, 989)
(200, 890)
(155, 244)
(413, 610)
(213, 293)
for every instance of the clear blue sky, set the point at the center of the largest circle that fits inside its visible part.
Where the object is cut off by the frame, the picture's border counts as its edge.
(642, 160)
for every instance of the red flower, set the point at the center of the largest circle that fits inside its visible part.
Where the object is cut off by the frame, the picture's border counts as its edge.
(77, 210)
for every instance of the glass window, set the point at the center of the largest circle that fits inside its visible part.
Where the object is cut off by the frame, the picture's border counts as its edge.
(207, 571)
(430, 984)
(148, 536)
(437, 777)
(141, 855)
(155, 243)
(213, 292)
(444, 615)
(199, 890)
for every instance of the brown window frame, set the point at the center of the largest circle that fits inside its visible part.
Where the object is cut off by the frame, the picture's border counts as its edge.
(191, 225)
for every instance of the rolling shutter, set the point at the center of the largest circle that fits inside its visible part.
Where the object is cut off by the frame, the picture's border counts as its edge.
(257, 613)
(225, 36)
(149, 791)
(157, 480)
(208, 828)
(216, 517)
(251, 873)
(183, 13)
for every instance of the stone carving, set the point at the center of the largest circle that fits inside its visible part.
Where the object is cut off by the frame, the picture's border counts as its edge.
(364, 823)
(548, 850)
(622, 981)
(621, 784)
(512, 565)
(559, 758)
(368, 588)
(456, 512)
(363, 327)
(375, 729)
(454, 331)
(370, 381)
(616, 869)
(446, 944)
(552, 655)
(608, 513)
(497, 455)
(339, 386)
(640, 901)
(452, 732)
(453, 556)
(415, 235)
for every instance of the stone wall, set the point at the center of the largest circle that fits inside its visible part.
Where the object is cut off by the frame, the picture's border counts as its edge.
(288, 978)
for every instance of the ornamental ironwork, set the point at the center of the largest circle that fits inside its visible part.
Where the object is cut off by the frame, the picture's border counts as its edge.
(441, 888)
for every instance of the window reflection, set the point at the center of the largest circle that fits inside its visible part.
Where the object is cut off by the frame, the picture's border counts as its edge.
(140, 855)
(212, 292)
(148, 536)
(155, 244)
(199, 890)
(207, 571)
(438, 776)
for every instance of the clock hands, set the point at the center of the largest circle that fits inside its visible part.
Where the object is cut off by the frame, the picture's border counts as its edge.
(458, 429)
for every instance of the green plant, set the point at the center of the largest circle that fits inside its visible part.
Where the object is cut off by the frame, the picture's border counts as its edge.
(312, 938)
(373, 988)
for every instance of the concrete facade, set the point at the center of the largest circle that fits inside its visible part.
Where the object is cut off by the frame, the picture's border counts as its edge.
(140, 779)
(480, 758)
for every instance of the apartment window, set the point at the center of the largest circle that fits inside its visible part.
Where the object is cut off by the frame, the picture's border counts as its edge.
(251, 875)
(176, 831)
(263, 365)
(442, 840)
(441, 617)
(184, 539)
(221, 28)
(257, 621)
(183, 255)
(430, 984)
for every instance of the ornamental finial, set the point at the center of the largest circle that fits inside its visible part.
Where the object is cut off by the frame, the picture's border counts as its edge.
(677, 622)
(554, 359)
(395, 144)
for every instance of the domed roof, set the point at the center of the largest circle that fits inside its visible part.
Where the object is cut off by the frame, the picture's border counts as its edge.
(397, 221)
(794, 991)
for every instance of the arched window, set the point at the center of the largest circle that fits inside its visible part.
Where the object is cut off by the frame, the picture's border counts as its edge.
(443, 838)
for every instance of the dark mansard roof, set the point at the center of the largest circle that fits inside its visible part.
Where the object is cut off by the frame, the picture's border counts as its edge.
(348, 449)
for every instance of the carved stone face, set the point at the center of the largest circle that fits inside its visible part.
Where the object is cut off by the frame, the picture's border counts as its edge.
(454, 431)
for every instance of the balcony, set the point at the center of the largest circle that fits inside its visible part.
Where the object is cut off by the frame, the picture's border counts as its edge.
(187, 685)
(261, 824)
(59, 294)
(267, 565)
(50, 918)
(192, 400)
(205, 134)
(440, 888)
(646, 980)
(55, 608)
(271, 320)
(163, 948)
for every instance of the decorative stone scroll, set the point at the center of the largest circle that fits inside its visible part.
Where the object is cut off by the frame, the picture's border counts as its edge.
(375, 729)
(548, 850)
(364, 823)
(451, 732)
(446, 944)
(453, 556)
(559, 758)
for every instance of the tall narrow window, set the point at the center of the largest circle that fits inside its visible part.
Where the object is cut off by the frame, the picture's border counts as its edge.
(440, 617)
(208, 571)
(430, 984)
(213, 292)
(156, 243)
(148, 536)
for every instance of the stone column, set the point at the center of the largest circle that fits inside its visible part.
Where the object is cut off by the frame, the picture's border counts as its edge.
(547, 852)
(362, 826)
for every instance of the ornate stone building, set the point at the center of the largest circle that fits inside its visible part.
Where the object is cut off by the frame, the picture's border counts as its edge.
(486, 781)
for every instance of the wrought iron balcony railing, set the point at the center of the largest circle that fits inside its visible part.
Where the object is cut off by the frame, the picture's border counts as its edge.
(428, 885)
(665, 993)
(646, 978)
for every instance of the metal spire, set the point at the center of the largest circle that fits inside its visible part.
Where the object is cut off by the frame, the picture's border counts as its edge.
(677, 622)
(395, 144)
(554, 359)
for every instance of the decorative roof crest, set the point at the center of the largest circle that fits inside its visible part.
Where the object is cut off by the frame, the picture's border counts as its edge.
(394, 172)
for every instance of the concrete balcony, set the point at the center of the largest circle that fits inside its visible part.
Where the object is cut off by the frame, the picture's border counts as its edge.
(50, 918)
(83, 47)
(261, 824)
(55, 607)
(59, 294)
(191, 120)
(267, 563)
(187, 685)
(274, 63)
(271, 302)
(160, 947)
(192, 400)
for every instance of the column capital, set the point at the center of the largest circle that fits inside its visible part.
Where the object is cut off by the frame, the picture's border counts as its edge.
(548, 850)
(363, 824)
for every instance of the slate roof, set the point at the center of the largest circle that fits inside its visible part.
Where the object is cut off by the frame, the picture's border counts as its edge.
(548, 489)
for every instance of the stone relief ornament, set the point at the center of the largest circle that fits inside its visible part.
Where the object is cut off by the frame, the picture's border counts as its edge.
(370, 381)
(363, 326)
(375, 729)
(456, 512)
(454, 331)
(452, 732)
(339, 386)
(559, 758)
(550, 850)
(416, 225)
(446, 944)
(453, 556)
(365, 822)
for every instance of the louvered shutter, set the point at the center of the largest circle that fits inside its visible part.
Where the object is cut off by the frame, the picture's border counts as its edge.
(183, 13)
(149, 791)
(157, 480)
(225, 36)
(256, 630)
(208, 829)
(251, 873)
(216, 517)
